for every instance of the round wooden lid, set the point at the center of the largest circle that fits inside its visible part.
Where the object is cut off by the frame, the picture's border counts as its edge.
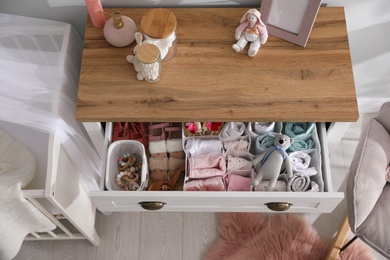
(148, 53)
(158, 23)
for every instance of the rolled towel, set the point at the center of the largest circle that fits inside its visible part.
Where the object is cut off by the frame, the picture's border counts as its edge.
(299, 130)
(233, 129)
(263, 142)
(299, 161)
(299, 182)
(263, 127)
(300, 145)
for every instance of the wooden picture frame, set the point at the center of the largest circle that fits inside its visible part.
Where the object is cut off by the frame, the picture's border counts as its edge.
(290, 20)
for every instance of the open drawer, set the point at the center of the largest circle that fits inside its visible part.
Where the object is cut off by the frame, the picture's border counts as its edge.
(198, 201)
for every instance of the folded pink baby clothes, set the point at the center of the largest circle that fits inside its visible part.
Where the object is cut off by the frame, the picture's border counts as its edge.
(205, 166)
(209, 184)
(237, 163)
(238, 183)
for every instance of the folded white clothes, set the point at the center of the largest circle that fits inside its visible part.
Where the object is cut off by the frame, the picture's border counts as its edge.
(195, 146)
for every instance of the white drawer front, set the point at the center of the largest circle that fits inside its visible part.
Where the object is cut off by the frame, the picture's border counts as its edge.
(300, 202)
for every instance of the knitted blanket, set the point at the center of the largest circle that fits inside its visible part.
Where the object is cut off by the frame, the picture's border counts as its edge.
(18, 217)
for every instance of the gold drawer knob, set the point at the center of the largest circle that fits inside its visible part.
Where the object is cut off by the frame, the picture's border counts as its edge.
(278, 206)
(151, 205)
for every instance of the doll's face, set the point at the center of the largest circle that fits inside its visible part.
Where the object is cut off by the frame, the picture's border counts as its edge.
(252, 18)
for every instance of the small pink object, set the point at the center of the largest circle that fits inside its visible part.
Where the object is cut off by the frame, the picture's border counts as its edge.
(192, 127)
(95, 11)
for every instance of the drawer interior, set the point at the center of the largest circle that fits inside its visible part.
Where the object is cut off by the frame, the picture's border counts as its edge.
(108, 201)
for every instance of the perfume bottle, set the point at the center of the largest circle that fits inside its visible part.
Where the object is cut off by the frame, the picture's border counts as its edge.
(95, 11)
(119, 30)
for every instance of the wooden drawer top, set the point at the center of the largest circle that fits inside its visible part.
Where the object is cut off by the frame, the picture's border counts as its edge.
(208, 81)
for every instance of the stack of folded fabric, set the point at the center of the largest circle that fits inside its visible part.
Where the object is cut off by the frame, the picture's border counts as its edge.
(206, 165)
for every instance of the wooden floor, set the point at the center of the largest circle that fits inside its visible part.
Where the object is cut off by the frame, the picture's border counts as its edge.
(176, 236)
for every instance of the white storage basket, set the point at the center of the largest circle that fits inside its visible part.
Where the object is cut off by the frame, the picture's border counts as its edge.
(116, 150)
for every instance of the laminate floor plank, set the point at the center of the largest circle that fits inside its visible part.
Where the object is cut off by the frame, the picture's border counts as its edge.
(74, 250)
(36, 250)
(161, 236)
(200, 230)
(119, 236)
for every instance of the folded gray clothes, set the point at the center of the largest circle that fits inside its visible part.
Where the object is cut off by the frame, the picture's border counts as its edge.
(299, 182)
(299, 130)
(300, 145)
(263, 142)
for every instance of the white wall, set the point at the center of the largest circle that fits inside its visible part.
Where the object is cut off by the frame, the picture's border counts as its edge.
(368, 24)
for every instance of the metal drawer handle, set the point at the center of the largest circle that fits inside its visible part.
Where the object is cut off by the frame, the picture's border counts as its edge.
(278, 206)
(151, 205)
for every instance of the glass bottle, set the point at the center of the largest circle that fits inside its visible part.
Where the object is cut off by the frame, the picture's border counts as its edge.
(159, 25)
(119, 30)
(150, 59)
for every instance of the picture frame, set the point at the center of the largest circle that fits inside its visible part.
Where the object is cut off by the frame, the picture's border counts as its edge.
(290, 20)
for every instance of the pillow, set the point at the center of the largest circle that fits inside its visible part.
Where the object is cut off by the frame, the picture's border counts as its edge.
(366, 178)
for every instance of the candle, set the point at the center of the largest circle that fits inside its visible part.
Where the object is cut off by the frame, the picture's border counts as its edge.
(95, 10)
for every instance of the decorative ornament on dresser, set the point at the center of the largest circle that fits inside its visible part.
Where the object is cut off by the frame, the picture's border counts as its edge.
(251, 30)
(119, 30)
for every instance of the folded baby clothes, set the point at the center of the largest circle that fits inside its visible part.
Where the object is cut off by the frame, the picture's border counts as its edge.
(237, 163)
(238, 183)
(240, 145)
(195, 146)
(299, 130)
(206, 166)
(280, 185)
(233, 129)
(209, 184)
(263, 142)
(300, 145)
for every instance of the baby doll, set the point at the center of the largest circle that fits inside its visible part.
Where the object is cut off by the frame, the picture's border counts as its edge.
(251, 29)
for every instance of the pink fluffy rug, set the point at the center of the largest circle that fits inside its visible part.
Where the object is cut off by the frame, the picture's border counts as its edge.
(283, 236)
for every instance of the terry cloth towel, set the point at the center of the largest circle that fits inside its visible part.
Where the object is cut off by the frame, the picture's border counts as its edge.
(300, 145)
(18, 217)
(299, 130)
(299, 182)
(263, 142)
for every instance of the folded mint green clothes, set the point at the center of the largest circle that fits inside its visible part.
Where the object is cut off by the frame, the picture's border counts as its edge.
(263, 142)
(300, 145)
(299, 130)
